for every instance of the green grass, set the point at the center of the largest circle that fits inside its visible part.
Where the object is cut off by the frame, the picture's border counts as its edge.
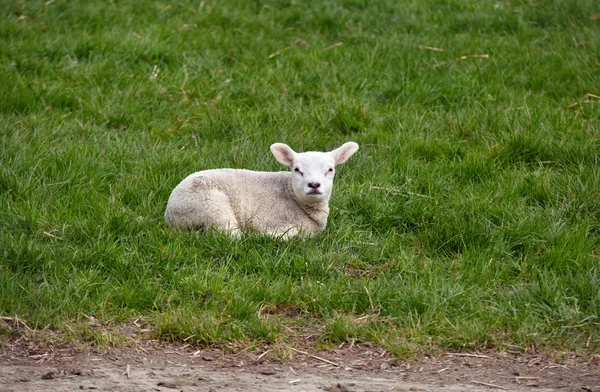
(469, 219)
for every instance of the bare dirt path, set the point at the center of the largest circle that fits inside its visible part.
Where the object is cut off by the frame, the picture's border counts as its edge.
(153, 366)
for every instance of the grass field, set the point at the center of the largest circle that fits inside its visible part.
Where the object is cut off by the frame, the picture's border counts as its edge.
(469, 219)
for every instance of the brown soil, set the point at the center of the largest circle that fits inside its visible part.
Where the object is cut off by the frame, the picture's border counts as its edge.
(148, 365)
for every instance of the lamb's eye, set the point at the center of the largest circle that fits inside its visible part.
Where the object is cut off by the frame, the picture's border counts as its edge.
(330, 170)
(297, 171)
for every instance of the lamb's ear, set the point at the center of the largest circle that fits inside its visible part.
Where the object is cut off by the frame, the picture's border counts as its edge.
(283, 153)
(341, 154)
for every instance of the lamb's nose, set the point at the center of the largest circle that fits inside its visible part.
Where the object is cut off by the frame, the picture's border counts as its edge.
(314, 185)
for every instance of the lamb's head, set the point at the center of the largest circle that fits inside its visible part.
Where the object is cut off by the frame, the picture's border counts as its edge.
(313, 172)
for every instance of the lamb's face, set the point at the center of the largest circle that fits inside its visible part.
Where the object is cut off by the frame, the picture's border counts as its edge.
(313, 172)
(312, 176)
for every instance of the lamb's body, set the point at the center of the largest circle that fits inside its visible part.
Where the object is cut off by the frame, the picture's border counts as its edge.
(234, 199)
(276, 203)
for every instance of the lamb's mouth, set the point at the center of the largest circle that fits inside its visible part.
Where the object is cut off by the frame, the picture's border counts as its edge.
(314, 193)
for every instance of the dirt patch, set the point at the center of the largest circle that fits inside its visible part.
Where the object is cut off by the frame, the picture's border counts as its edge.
(149, 365)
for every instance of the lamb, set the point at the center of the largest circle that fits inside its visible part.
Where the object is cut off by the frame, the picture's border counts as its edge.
(275, 203)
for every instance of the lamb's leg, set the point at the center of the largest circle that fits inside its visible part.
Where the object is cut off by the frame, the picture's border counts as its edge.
(218, 212)
(284, 234)
(203, 208)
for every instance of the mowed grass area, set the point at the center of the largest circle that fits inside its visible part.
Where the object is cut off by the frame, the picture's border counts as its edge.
(469, 218)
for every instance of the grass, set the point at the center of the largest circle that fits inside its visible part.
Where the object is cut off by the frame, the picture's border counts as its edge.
(469, 219)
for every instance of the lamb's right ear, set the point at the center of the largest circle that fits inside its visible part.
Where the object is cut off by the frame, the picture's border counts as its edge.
(283, 153)
(341, 154)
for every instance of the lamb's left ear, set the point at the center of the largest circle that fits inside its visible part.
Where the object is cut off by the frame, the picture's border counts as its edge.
(341, 154)
(283, 153)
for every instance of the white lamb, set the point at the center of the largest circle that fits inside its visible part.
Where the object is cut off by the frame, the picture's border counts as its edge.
(274, 203)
